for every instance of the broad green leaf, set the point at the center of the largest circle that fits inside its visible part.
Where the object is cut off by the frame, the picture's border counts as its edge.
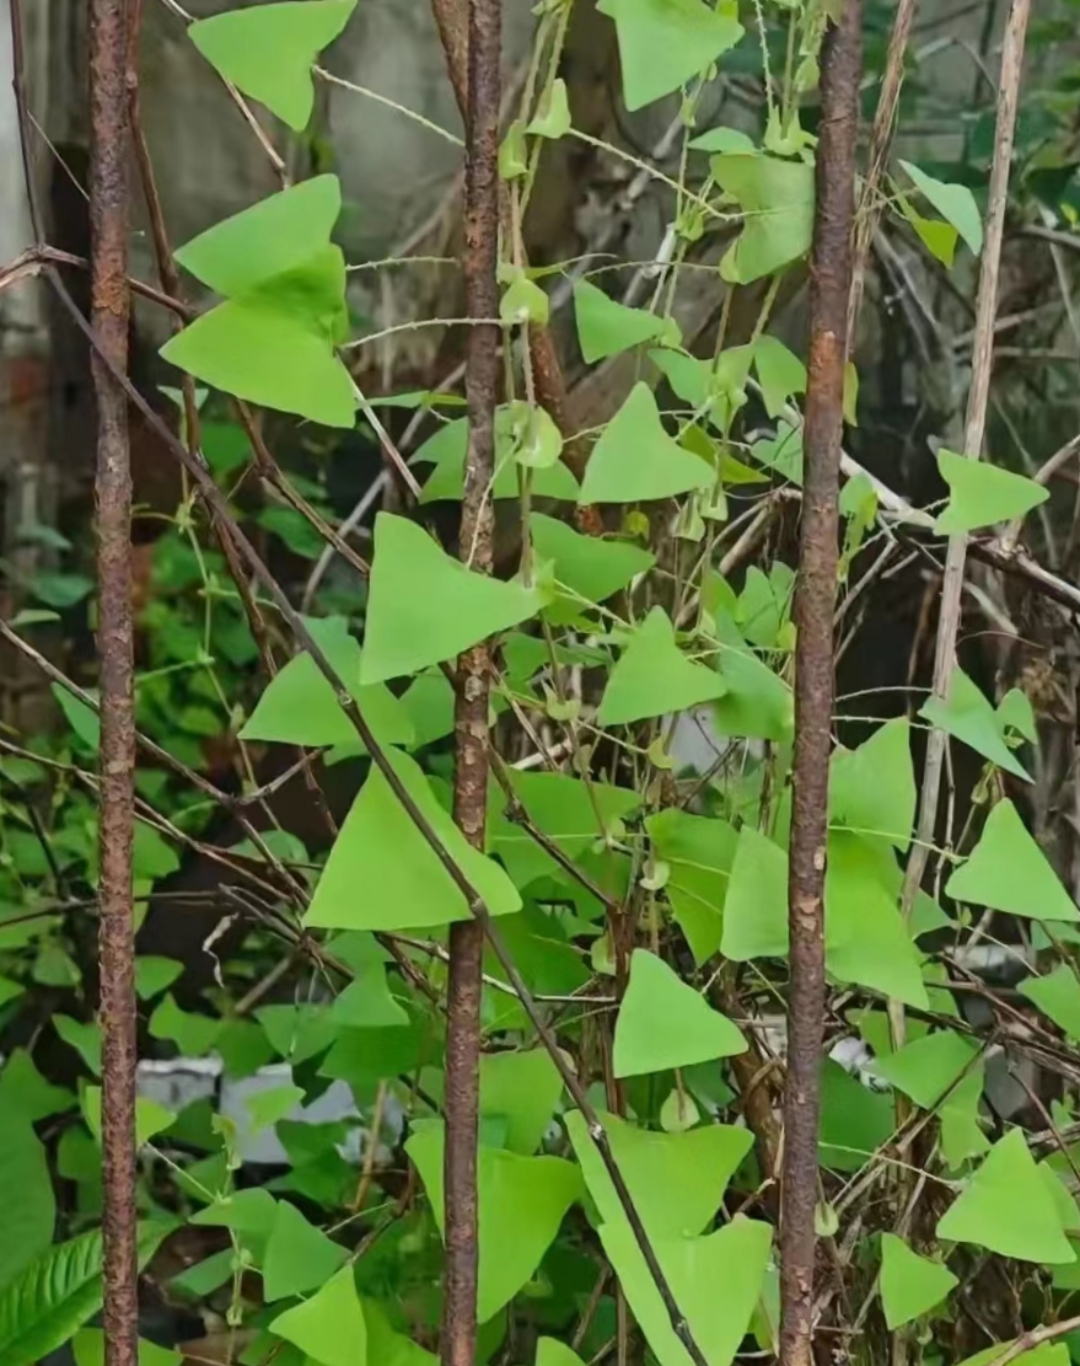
(251, 1212)
(390, 1348)
(663, 44)
(757, 704)
(955, 203)
(928, 1069)
(552, 1352)
(26, 1194)
(699, 853)
(637, 461)
(88, 1347)
(405, 886)
(154, 975)
(299, 1257)
(429, 701)
(722, 140)
(521, 1201)
(855, 1121)
(1007, 871)
(676, 1180)
(84, 1038)
(981, 494)
(966, 714)
(735, 1258)
(368, 1003)
(605, 327)
(910, 1285)
(448, 449)
(654, 677)
(866, 940)
(425, 607)
(256, 349)
(663, 1022)
(329, 1327)
(10, 991)
(1007, 1208)
(267, 1107)
(692, 380)
(24, 1091)
(268, 50)
(522, 1088)
(777, 198)
(1057, 995)
(277, 235)
(780, 372)
(193, 1034)
(298, 1032)
(1048, 1354)
(553, 116)
(150, 1117)
(83, 720)
(872, 788)
(939, 238)
(962, 1136)
(1014, 712)
(592, 568)
(299, 705)
(755, 910)
(50, 1300)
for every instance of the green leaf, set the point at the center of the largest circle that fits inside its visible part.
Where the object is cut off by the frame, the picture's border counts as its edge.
(755, 910)
(1014, 712)
(757, 703)
(676, 1180)
(150, 1117)
(49, 1300)
(1057, 995)
(299, 1257)
(872, 788)
(367, 1002)
(735, 1257)
(940, 1070)
(193, 1034)
(700, 853)
(329, 1327)
(1007, 1208)
(521, 1202)
(654, 678)
(722, 140)
(299, 706)
(83, 720)
(605, 327)
(24, 1091)
(1048, 1354)
(663, 1022)
(939, 238)
(552, 1352)
(424, 607)
(780, 372)
(910, 1285)
(522, 1088)
(777, 198)
(275, 236)
(154, 975)
(1007, 871)
(636, 461)
(967, 715)
(405, 885)
(591, 568)
(267, 1107)
(553, 117)
(855, 1121)
(268, 51)
(250, 1212)
(84, 1038)
(88, 1346)
(981, 494)
(26, 1194)
(256, 349)
(955, 203)
(298, 1032)
(664, 44)
(448, 449)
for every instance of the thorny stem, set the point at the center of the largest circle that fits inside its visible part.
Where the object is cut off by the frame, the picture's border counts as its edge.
(473, 683)
(110, 306)
(830, 281)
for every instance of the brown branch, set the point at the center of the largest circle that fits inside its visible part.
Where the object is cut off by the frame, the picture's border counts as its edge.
(110, 308)
(830, 286)
(472, 740)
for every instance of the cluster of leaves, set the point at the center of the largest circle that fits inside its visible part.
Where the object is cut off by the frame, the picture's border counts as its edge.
(646, 910)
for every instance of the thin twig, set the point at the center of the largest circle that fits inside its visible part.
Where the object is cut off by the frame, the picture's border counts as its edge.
(830, 286)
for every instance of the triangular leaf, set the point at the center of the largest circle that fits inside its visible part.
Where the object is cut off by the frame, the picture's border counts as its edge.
(605, 327)
(780, 372)
(699, 853)
(663, 1022)
(448, 449)
(955, 203)
(1057, 995)
(268, 51)
(522, 1088)
(872, 788)
(777, 198)
(1007, 871)
(26, 1194)
(299, 1257)
(967, 714)
(910, 1285)
(637, 461)
(1007, 1208)
(663, 44)
(654, 678)
(755, 911)
(592, 568)
(981, 494)
(330, 1326)
(425, 607)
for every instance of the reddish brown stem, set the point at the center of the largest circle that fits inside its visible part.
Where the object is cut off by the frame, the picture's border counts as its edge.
(472, 739)
(110, 303)
(830, 283)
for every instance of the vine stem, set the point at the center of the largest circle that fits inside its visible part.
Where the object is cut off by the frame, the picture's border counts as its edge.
(110, 309)
(472, 739)
(830, 284)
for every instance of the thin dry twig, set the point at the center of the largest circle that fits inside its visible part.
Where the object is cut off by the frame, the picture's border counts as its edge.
(830, 287)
